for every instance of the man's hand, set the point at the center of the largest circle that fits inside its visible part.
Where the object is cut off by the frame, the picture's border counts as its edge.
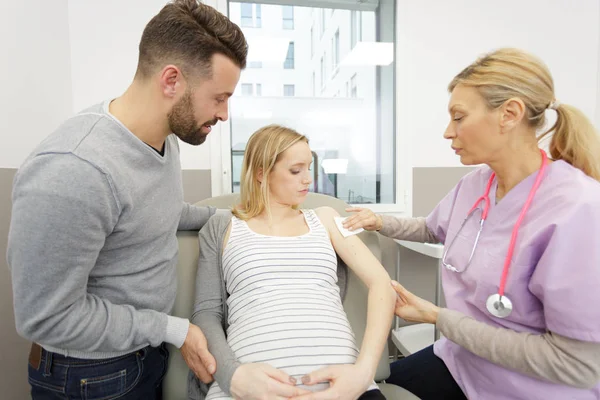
(196, 355)
(346, 382)
(262, 381)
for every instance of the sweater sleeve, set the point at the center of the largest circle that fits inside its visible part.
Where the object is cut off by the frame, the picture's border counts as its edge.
(209, 302)
(63, 210)
(411, 229)
(548, 356)
(194, 217)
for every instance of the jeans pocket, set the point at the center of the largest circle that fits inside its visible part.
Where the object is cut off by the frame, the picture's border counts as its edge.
(107, 385)
(104, 387)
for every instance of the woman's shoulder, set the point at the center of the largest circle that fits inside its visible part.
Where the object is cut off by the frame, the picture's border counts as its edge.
(571, 186)
(217, 224)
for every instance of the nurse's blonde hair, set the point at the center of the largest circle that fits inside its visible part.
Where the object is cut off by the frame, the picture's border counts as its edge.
(263, 150)
(508, 73)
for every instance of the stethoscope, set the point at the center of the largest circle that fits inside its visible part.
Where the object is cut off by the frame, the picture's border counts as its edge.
(498, 304)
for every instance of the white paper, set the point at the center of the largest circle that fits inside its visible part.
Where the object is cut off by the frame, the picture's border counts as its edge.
(345, 232)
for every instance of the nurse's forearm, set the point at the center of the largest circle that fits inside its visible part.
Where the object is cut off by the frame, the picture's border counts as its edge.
(411, 229)
(548, 356)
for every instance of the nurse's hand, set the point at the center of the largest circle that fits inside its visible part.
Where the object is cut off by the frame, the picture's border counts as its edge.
(346, 382)
(413, 308)
(364, 218)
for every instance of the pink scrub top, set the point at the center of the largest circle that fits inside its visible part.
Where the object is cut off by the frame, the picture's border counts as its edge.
(553, 280)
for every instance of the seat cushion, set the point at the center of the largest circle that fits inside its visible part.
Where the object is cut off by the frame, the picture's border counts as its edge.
(393, 392)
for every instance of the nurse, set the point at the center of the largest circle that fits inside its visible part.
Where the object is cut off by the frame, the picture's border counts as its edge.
(521, 235)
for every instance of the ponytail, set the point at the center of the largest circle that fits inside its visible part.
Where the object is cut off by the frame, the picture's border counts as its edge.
(575, 140)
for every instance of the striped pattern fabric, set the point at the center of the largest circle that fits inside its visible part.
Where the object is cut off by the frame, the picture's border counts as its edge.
(284, 302)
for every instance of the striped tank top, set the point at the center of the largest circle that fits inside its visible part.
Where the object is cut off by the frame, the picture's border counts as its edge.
(284, 302)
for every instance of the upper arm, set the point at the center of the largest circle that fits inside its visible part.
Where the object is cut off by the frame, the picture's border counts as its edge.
(63, 210)
(209, 297)
(578, 362)
(352, 250)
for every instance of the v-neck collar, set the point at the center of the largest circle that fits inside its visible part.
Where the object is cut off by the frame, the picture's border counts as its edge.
(514, 197)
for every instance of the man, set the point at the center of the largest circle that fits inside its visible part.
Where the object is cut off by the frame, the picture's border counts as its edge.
(92, 243)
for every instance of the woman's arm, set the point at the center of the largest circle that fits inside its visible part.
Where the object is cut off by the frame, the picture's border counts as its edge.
(548, 356)
(381, 297)
(208, 304)
(411, 229)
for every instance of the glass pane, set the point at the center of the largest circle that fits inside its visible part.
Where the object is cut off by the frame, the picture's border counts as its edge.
(330, 77)
(289, 90)
(289, 58)
(288, 17)
(247, 89)
(246, 14)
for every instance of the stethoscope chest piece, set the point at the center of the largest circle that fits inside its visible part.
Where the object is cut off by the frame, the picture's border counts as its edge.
(499, 306)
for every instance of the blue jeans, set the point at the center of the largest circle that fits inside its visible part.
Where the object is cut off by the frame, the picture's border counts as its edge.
(426, 376)
(136, 375)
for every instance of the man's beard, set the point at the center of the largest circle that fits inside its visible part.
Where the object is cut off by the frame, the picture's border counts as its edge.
(183, 124)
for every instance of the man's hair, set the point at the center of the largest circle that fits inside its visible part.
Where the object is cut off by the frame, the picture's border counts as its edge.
(187, 33)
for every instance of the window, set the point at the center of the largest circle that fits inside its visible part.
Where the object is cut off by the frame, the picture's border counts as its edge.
(247, 18)
(247, 12)
(336, 49)
(247, 89)
(289, 90)
(288, 17)
(289, 58)
(354, 161)
(355, 28)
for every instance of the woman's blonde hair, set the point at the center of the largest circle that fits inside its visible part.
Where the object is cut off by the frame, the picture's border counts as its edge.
(263, 150)
(509, 73)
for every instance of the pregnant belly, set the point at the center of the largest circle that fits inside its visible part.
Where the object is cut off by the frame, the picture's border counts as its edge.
(297, 338)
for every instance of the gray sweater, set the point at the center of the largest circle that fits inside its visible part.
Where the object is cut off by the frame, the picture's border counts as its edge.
(92, 245)
(210, 306)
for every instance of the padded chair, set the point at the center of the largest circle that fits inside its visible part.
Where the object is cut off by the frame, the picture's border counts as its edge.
(355, 303)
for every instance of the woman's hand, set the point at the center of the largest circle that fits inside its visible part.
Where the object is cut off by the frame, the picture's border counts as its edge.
(413, 308)
(261, 381)
(364, 218)
(346, 382)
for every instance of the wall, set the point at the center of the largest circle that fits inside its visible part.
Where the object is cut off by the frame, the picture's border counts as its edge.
(34, 74)
(103, 61)
(433, 46)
